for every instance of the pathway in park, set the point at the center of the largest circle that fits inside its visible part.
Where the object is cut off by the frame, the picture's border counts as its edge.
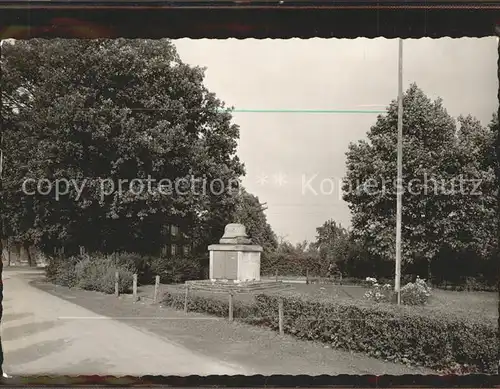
(43, 334)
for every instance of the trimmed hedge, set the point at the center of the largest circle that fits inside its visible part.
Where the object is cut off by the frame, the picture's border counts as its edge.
(403, 334)
(409, 335)
(218, 305)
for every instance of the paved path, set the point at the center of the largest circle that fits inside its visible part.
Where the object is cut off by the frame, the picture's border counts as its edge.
(43, 334)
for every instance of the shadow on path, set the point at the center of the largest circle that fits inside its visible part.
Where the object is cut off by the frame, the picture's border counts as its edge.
(24, 330)
(90, 366)
(35, 351)
(15, 316)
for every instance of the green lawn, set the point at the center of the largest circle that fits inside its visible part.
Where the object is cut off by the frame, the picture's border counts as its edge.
(468, 304)
(463, 303)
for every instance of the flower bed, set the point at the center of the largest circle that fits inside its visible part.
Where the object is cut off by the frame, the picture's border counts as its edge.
(413, 293)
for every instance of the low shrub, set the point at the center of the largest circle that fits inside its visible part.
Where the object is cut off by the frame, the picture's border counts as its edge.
(176, 270)
(397, 333)
(93, 272)
(477, 284)
(471, 284)
(97, 273)
(132, 261)
(61, 271)
(51, 269)
(379, 293)
(139, 264)
(107, 283)
(415, 293)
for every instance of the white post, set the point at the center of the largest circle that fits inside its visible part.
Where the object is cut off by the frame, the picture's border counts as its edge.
(230, 306)
(134, 287)
(280, 316)
(157, 287)
(399, 195)
(117, 284)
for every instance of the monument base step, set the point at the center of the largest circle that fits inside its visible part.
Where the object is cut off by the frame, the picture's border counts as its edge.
(235, 287)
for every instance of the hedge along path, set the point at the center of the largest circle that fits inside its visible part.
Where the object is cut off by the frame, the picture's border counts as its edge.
(231, 301)
(399, 334)
(231, 304)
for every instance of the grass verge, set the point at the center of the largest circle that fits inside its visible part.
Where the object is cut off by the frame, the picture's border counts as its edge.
(443, 340)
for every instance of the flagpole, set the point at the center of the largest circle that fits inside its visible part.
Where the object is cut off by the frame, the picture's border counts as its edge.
(399, 193)
(1, 167)
(2, 215)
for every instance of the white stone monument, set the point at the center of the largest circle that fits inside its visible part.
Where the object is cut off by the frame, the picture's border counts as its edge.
(235, 259)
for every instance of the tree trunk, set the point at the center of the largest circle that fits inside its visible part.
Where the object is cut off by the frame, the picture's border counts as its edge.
(28, 254)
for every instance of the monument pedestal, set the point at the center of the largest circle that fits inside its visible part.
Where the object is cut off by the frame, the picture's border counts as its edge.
(234, 264)
(238, 263)
(235, 258)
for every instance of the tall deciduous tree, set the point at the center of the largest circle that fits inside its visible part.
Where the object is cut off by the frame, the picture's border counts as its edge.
(447, 177)
(101, 111)
(251, 213)
(296, 260)
(333, 244)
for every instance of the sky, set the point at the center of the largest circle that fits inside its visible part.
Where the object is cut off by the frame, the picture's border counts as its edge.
(295, 161)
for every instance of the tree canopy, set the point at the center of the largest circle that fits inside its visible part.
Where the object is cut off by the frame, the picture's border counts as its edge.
(251, 213)
(331, 242)
(95, 112)
(448, 179)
